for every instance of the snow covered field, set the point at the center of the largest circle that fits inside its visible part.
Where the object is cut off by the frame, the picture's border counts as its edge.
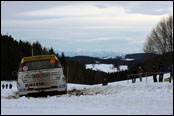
(118, 98)
(106, 67)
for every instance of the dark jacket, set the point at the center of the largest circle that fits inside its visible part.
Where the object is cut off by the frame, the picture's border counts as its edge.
(161, 68)
(154, 70)
(170, 69)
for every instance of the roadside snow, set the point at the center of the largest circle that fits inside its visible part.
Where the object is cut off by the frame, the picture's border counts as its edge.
(118, 98)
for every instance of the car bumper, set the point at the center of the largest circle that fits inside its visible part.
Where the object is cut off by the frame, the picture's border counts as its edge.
(39, 91)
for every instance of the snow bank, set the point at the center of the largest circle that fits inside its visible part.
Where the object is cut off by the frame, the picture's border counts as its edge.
(109, 68)
(118, 98)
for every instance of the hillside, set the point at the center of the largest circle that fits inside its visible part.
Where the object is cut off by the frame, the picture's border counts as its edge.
(140, 57)
(137, 57)
(109, 60)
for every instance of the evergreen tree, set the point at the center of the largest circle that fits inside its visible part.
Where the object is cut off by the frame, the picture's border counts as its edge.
(37, 48)
(51, 51)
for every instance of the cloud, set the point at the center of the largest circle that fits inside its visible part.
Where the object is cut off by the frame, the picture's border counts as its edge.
(98, 8)
(98, 39)
(82, 16)
(121, 39)
(75, 10)
(80, 23)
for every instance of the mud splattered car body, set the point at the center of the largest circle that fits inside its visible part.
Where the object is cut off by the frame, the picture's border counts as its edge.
(38, 74)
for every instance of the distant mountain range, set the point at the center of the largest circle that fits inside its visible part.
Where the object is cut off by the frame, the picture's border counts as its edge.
(106, 57)
(127, 60)
(94, 60)
(95, 53)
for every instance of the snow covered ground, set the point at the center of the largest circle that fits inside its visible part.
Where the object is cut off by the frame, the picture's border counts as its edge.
(117, 98)
(105, 67)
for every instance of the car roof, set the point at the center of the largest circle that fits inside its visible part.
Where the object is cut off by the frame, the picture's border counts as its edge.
(37, 58)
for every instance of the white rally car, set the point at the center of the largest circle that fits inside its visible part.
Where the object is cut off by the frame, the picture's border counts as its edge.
(41, 74)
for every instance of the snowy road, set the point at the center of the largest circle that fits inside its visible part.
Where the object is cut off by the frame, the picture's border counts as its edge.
(117, 98)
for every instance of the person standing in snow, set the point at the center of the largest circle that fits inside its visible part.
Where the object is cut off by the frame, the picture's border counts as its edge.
(170, 69)
(3, 86)
(139, 72)
(105, 81)
(161, 71)
(154, 70)
(6, 86)
(10, 86)
(134, 76)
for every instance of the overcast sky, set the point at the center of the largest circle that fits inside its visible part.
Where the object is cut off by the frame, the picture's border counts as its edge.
(91, 25)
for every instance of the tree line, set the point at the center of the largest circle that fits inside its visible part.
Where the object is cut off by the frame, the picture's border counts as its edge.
(12, 51)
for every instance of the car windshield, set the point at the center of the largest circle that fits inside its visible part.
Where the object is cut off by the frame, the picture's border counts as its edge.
(43, 64)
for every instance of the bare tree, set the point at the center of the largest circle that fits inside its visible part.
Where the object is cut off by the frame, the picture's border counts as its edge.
(160, 39)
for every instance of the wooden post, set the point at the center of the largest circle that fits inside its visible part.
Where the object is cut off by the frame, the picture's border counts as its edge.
(32, 51)
(67, 72)
(146, 77)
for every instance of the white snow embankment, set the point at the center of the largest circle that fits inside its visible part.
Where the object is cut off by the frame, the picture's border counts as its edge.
(118, 98)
